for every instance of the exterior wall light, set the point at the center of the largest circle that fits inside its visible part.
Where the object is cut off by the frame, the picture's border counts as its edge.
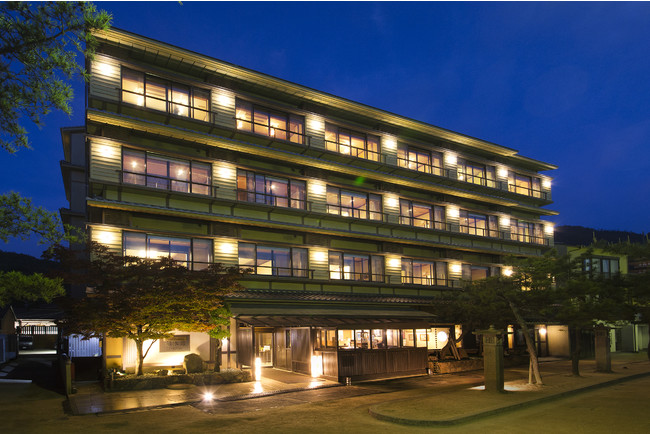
(389, 143)
(105, 69)
(395, 262)
(546, 183)
(316, 124)
(451, 159)
(453, 212)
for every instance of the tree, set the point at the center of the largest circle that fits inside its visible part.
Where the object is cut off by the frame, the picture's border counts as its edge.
(19, 218)
(16, 286)
(582, 301)
(38, 48)
(144, 299)
(504, 300)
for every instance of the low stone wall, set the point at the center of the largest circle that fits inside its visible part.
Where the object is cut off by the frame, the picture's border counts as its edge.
(156, 381)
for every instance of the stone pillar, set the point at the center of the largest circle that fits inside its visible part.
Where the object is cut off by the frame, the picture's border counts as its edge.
(602, 348)
(492, 359)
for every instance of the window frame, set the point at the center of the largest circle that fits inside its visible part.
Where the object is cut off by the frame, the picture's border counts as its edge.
(267, 197)
(256, 111)
(338, 208)
(194, 111)
(337, 145)
(527, 232)
(409, 157)
(534, 188)
(480, 174)
(169, 181)
(194, 248)
(411, 220)
(491, 229)
(353, 275)
(408, 271)
(293, 271)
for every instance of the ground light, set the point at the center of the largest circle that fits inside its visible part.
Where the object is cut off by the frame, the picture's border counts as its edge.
(208, 396)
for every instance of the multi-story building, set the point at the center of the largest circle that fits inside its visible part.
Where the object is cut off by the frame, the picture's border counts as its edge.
(351, 218)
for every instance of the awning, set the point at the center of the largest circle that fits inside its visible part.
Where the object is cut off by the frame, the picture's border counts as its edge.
(271, 315)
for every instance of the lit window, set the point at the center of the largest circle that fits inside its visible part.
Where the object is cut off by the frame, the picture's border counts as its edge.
(156, 171)
(353, 204)
(527, 232)
(420, 160)
(273, 260)
(351, 143)
(522, 184)
(261, 120)
(194, 253)
(476, 173)
(344, 266)
(421, 215)
(475, 272)
(270, 190)
(427, 273)
(152, 92)
(478, 224)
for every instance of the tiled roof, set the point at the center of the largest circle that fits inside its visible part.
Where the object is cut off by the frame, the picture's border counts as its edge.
(277, 295)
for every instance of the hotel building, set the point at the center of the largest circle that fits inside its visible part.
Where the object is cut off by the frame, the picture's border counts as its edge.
(352, 219)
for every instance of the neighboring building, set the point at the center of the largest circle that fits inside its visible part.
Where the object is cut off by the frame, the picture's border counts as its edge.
(352, 219)
(623, 336)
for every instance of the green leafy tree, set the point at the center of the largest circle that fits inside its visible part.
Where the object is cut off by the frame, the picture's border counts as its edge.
(39, 44)
(504, 300)
(16, 286)
(20, 219)
(582, 300)
(145, 299)
(38, 47)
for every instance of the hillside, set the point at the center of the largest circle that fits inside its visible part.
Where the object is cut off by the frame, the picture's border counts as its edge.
(581, 236)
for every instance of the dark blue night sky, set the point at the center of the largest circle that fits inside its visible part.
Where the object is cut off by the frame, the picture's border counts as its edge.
(565, 83)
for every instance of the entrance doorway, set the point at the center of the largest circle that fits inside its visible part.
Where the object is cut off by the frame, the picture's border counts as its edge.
(264, 346)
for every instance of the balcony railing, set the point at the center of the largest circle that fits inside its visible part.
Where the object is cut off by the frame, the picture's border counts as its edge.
(343, 149)
(267, 130)
(422, 167)
(170, 107)
(477, 180)
(356, 276)
(481, 232)
(271, 199)
(166, 183)
(527, 191)
(363, 214)
(424, 223)
(272, 271)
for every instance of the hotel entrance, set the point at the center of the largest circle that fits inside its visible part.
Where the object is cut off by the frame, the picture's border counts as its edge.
(264, 345)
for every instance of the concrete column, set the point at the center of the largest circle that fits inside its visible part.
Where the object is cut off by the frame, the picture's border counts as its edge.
(602, 349)
(492, 359)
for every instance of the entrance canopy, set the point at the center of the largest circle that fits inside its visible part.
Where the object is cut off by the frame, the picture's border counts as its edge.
(271, 315)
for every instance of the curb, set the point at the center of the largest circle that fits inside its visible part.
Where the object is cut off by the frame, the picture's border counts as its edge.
(518, 406)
